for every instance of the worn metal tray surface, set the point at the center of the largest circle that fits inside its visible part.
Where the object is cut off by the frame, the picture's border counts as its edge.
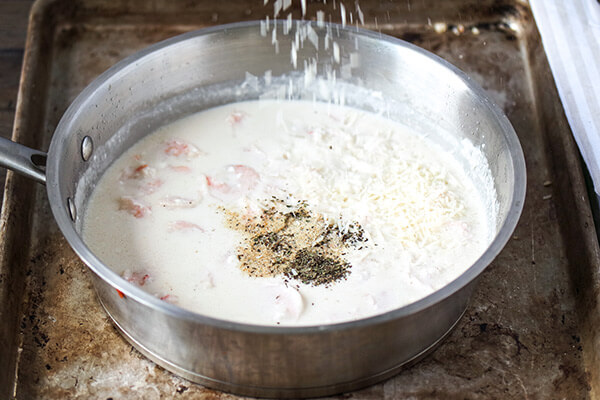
(530, 329)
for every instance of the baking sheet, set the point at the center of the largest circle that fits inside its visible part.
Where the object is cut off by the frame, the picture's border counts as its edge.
(529, 331)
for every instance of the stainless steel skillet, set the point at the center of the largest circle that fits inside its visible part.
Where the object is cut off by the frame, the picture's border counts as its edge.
(209, 67)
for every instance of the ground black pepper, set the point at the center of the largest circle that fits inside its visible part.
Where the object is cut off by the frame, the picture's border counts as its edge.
(292, 240)
(310, 267)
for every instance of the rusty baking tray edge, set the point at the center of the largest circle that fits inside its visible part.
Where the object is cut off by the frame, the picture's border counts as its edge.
(19, 196)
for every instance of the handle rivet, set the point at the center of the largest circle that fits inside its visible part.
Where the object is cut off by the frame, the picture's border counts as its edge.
(87, 147)
(72, 210)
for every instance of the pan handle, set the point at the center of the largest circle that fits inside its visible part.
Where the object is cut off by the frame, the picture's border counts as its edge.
(23, 160)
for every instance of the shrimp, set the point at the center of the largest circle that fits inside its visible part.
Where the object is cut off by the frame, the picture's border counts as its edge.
(232, 182)
(178, 147)
(180, 168)
(137, 172)
(134, 207)
(143, 178)
(149, 187)
(184, 226)
(138, 278)
(235, 117)
(284, 302)
(169, 298)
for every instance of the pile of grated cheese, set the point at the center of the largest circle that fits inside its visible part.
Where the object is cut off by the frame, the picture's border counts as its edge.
(353, 173)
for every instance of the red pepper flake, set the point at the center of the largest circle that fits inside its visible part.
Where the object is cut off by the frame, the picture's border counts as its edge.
(235, 117)
(217, 186)
(121, 295)
(141, 167)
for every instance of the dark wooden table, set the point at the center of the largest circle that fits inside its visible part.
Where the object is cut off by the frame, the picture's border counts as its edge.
(13, 29)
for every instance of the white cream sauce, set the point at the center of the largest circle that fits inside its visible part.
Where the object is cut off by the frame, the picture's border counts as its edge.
(158, 218)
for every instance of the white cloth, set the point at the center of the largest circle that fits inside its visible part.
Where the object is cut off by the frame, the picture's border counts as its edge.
(570, 31)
